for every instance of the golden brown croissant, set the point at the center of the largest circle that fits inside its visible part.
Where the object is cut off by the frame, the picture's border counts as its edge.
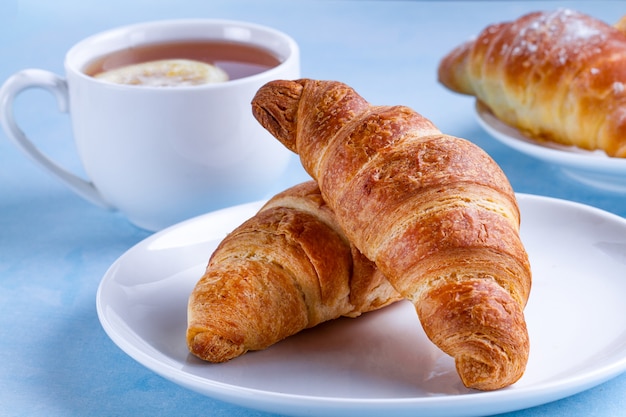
(288, 268)
(558, 76)
(621, 25)
(434, 212)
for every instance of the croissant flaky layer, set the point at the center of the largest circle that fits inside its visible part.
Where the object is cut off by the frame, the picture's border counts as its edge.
(434, 212)
(558, 76)
(288, 268)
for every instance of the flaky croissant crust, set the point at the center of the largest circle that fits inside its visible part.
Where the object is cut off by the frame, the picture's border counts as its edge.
(288, 268)
(557, 75)
(434, 212)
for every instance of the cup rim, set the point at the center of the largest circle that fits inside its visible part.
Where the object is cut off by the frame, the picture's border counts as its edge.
(85, 47)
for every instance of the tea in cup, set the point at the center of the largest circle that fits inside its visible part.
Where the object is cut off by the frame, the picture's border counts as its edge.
(161, 116)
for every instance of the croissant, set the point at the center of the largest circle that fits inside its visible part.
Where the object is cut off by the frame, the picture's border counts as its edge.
(434, 212)
(557, 76)
(621, 25)
(288, 268)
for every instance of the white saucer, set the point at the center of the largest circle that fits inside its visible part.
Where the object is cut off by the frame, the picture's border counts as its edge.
(382, 363)
(593, 168)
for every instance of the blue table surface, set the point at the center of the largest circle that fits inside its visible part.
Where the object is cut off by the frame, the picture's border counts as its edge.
(55, 358)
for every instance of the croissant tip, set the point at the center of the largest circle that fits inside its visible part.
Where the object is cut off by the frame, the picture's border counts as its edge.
(212, 347)
(484, 376)
(275, 107)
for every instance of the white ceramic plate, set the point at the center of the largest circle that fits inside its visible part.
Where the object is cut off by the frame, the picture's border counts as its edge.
(381, 363)
(593, 168)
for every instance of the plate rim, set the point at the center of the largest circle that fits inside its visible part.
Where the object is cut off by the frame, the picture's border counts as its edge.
(568, 156)
(271, 401)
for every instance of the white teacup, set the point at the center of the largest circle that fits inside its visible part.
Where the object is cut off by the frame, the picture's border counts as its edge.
(157, 154)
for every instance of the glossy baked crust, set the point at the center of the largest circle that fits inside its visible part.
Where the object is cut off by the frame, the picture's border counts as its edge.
(557, 76)
(435, 213)
(288, 268)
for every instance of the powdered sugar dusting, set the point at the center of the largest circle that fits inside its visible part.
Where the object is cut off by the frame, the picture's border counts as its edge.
(562, 33)
(575, 29)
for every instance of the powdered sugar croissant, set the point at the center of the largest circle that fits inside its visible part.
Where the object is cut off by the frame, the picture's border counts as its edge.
(434, 212)
(288, 268)
(558, 76)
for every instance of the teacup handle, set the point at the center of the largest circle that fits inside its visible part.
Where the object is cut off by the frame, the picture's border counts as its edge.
(34, 78)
